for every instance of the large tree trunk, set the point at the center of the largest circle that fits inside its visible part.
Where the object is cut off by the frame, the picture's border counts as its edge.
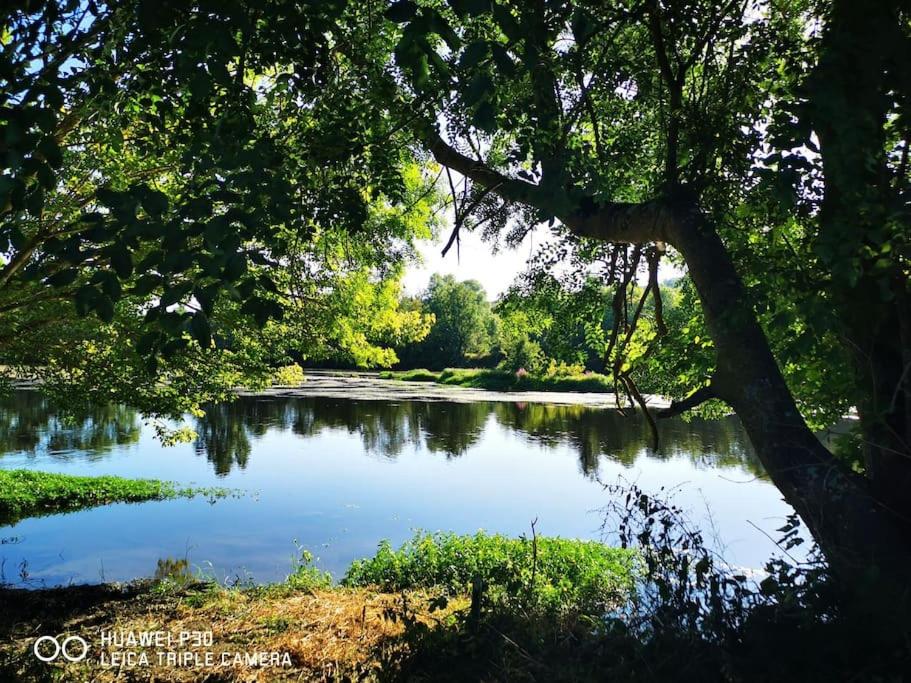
(854, 530)
(849, 104)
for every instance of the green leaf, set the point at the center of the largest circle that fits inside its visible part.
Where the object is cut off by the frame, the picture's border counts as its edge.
(201, 330)
(121, 261)
(206, 297)
(470, 8)
(85, 299)
(51, 152)
(34, 201)
(63, 278)
(235, 267)
(146, 284)
(147, 342)
(175, 293)
(479, 88)
(104, 307)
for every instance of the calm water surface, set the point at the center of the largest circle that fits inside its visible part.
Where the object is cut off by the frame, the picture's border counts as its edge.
(337, 476)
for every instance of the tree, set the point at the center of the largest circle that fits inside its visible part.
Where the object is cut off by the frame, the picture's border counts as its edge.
(463, 323)
(147, 183)
(856, 103)
(566, 319)
(639, 124)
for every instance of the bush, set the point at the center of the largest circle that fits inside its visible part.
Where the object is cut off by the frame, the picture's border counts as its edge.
(524, 353)
(289, 376)
(557, 368)
(555, 573)
(305, 575)
(419, 375)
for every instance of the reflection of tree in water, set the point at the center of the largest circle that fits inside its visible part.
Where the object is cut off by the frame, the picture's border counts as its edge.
(384, 427)
(222, 435)
(710, 443)
(30, 423)
(387, 428)
(452, 428)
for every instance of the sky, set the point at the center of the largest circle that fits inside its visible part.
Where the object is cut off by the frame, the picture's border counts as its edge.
(475, 260)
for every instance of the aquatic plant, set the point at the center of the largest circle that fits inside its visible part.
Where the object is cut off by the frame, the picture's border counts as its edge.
(26, 493)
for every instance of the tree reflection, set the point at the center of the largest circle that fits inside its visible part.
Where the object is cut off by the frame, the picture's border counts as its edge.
(223, 434)
(624, 439)
(387, 428)
(31, 424)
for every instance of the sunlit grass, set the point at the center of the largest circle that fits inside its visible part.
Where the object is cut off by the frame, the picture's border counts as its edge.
(501, 380)
(26, 493)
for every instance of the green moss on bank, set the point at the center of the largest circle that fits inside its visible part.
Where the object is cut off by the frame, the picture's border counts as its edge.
(500, 380)
(26, 493)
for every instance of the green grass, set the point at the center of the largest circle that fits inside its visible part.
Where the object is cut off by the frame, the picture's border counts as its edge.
(556, 573)
(420, 375)
(25, 493)
(500, 380)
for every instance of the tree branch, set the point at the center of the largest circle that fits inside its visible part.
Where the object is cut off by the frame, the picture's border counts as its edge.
(698, 397)
(617, 222)
(510, 189)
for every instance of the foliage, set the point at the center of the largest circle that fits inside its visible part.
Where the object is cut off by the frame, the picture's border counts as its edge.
(418, 375)
(186, 206)
(289, 375)
(523, 354)
(559, 574)
(570, 323)
(463, 323)
(305, 575)
(26, 493)
(562, 379)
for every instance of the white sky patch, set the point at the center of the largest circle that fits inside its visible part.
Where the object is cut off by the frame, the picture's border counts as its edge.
(495, 271)
(475, 260)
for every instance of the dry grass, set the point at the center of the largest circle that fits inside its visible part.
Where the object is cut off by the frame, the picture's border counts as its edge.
(327, 635)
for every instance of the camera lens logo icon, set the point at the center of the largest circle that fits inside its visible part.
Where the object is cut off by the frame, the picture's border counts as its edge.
(71, 648)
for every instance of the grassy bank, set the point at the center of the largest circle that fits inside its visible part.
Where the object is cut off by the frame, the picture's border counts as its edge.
(25, 493)
(499, 380)
(390, 618)
(457, 608)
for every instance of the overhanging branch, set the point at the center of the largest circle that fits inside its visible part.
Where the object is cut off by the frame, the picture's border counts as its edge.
(510, 189)
(698, 397)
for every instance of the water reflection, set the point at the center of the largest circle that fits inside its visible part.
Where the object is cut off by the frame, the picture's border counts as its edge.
(31, 425)
(451, 429)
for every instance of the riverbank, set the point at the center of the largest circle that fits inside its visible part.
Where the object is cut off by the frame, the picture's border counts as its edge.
(27, 493)
(377, 386)
(502, 380)
(402, 612)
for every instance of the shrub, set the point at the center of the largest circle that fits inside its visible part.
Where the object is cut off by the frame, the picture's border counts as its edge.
(418, 375)
(558, 368)
(523, 353)
(289, 375)
(305, 575)
(555, 573)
